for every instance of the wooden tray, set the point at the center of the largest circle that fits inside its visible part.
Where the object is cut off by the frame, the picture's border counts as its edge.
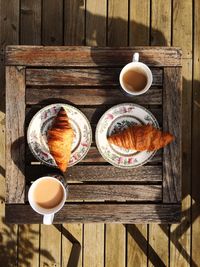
(88, 78)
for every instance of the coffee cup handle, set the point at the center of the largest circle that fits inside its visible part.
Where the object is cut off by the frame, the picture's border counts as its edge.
(48, 219)
(135, 57)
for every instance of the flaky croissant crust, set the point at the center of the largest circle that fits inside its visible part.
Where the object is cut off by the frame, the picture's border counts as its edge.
(141, 138)
(60, 138)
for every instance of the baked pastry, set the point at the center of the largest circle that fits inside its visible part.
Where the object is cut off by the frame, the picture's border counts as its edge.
(60, 138)
(141, 138)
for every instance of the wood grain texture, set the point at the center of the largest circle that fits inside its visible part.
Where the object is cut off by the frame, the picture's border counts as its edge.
(115, 245)
(72, 245)
(28, 245)
(161, 22)
(52, 22)
(172, 122)
(9, 23)
(117, 23)
(50, 242)
(99, 212)
(96, 22)
(195, 140)
(158, 246)
(120, 192)
(91, 96)
(74, 22)
(30, 26)
(101, 173)
(15, 92)
(136, 245)
(139, 23)
(94, 245)
(182, 14)
(82, 77)
(90, 56)
(9, 34)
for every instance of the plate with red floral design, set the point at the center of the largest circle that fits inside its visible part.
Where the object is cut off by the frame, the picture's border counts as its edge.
(116, 119)
(42, 122)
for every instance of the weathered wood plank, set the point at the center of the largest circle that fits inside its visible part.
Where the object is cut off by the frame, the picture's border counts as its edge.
(101, 173)
(9, 34)
(158, 245)
(161, 22)
(115, 245)
(84, 77)
(85, 212)
(91, 96)
(120, 192)
(9, 23)
(182, 14)
(117, 23)
(136, 245)
(172, 123)
(72, 245)
(28, 245)
(195, 140)
(50, 245)
(74, 22)
(94, 245)
(30, 26)
(139, 22)
(90, 56)
(52, 22)
(15, 93)
(9, 240)
(96, 23)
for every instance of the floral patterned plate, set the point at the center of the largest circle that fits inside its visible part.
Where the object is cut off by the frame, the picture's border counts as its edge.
(42, 121)
(116, 119)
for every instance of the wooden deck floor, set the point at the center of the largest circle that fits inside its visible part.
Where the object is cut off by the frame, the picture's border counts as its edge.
(113, 23)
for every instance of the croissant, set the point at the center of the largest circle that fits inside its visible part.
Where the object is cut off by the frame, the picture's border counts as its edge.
(141, 138)
(60, 138)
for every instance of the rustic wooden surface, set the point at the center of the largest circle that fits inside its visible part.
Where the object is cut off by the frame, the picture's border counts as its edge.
(172, 121)
(15, 142)
(154, 243)
(77, 80)
(90, 212)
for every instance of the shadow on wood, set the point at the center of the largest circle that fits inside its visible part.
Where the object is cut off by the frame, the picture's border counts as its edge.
(76, 247)
(95, 37)
(142, 243)
(19, 243)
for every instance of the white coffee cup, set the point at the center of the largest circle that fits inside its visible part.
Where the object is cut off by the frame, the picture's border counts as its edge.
(135, 64)
(48, 213)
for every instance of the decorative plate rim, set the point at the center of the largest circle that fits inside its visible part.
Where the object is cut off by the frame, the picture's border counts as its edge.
(49, 106)
(97, 141)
